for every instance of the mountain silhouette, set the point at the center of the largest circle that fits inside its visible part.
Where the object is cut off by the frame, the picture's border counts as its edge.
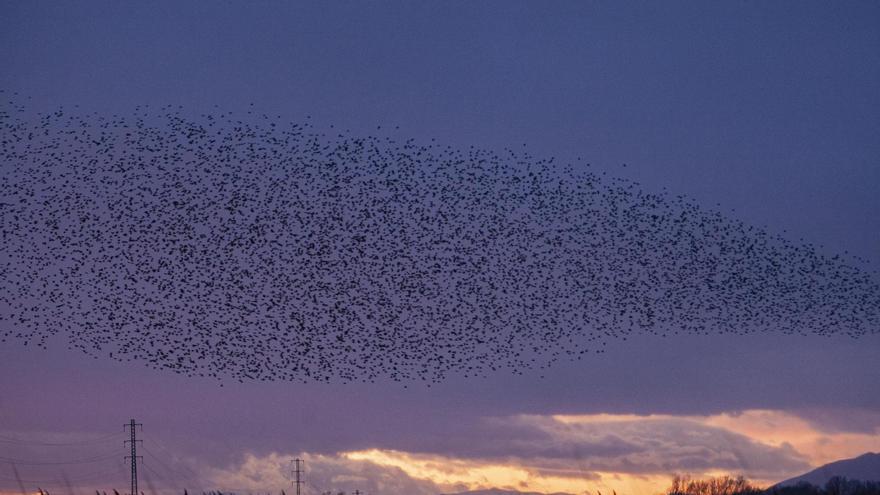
(865, 467)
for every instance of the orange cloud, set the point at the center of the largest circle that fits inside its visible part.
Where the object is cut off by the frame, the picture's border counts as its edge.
(765, 445)
(784, 428)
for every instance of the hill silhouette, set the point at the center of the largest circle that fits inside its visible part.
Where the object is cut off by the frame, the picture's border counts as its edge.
(865, 467)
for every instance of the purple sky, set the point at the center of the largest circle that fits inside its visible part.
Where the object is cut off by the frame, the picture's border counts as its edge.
(766, 111)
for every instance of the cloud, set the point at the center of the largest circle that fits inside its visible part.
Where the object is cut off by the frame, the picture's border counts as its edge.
(322, 473)
(527, 452)
(841, 420)
(619, 451)
(666, 444)
(820, 436)
(581, 446)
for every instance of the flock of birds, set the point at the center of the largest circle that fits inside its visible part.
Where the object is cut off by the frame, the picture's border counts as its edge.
(251, 249)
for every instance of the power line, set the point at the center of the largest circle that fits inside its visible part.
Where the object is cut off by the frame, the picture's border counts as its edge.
(175, 475)
(18, 479)
(25, 462)
(161, 478)
(191, 476)
(134, 457)
(18, 441)
(82, 478)
(184, 470)
(297, 473)
(317, 490)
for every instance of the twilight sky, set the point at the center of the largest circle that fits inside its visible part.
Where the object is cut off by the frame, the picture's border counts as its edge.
(767, 112)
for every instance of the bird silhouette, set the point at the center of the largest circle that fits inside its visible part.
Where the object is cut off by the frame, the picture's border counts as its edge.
(250, 248)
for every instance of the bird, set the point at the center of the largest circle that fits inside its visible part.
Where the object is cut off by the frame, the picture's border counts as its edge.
(250, 248)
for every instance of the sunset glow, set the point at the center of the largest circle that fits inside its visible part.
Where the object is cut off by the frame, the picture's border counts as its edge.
(644, 474)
